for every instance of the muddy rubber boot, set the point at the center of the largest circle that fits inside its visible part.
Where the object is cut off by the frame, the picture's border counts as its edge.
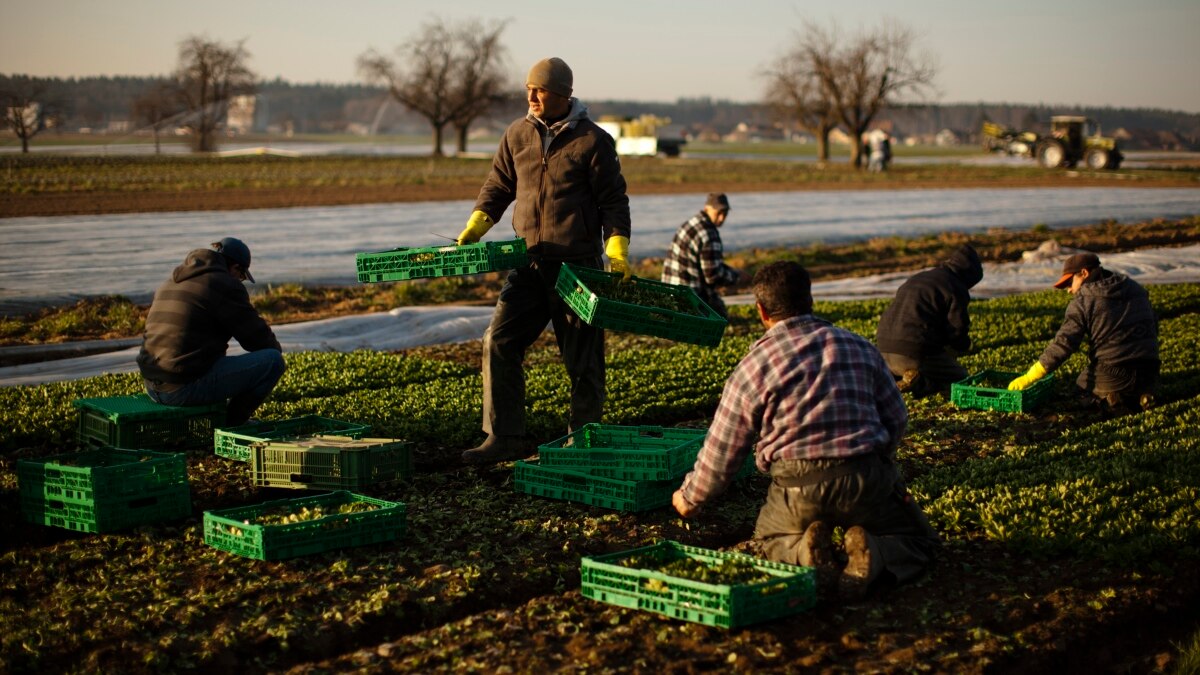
(862, 567)
(499, 449)
(816, 550)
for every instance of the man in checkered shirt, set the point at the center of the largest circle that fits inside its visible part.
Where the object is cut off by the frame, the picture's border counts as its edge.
(697, 257)
(821, 411)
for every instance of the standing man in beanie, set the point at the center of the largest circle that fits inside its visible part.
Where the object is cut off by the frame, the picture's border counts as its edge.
(192, 318)
(697, 258)
(818, 408)
(564, 175)
(1114, 313)
(927, 326)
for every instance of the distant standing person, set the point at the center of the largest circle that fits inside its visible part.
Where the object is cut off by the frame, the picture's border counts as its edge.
(191, 320)
(927, 326)
(1114, 313)
(565, 177)
(819, 410)
(697, 257)
(880, 148)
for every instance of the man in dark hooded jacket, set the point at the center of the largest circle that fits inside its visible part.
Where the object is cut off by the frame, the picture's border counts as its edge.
(927, 326)
(192, 318)
(1114, 313)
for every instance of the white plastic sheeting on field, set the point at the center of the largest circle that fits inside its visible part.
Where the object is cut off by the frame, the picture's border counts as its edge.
(415, 326)
(63, 258)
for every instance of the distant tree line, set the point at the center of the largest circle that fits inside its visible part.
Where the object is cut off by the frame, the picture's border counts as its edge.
(95, 102)
(453, 75)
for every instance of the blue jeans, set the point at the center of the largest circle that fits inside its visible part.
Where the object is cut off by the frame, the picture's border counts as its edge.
(244, 380)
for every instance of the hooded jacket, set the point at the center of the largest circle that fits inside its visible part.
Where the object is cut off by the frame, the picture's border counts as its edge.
(567, 183)
(192, 318)
(1114, 313)
(929, 313)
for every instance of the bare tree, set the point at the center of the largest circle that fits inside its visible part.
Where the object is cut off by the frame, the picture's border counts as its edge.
(482, 80)
(450, 75)
(157, 109)
(794, 94)
(209, 74)
(29, 107)
(872, 71)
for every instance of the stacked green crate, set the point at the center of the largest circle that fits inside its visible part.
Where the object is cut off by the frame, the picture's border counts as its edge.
(105, 489)
(327, 462)
(237, 442)
(625, 468)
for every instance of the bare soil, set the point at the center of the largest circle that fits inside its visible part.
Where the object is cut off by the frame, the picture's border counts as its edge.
(77, 203)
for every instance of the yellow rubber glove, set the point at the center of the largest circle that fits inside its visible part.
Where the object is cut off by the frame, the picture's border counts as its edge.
(477, 225)
(617, 250)
(1036, 372)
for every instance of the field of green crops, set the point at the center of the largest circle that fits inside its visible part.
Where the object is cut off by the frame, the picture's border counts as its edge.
(1067, 535)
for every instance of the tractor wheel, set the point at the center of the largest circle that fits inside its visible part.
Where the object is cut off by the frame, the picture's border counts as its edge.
(1051, 154)
(1097, 159)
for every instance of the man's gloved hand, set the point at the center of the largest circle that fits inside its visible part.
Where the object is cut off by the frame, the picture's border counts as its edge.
(477, 226)
(617, 250)
(1036, 372)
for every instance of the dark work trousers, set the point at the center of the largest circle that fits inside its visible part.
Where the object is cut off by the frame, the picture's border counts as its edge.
(938, 371)
(871, 494)
(244, 380)
(1120, 384)
(527, 302)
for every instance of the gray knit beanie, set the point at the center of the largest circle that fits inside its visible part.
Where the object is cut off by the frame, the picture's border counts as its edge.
(552, 74)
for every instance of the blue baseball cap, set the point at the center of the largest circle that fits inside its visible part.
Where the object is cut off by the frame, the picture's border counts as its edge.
(235, 251)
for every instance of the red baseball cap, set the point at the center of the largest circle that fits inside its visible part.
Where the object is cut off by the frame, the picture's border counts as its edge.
(1075, 264)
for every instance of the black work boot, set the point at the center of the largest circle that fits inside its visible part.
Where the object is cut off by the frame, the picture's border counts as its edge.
(499, 449)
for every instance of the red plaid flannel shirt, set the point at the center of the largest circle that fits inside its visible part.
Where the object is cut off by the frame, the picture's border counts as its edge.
(806, 390)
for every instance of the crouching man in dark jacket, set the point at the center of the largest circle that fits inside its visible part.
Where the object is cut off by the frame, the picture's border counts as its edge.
(194, 314)
(927, 326)
(1114, 313)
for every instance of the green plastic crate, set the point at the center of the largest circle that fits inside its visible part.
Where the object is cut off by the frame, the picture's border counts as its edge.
(236, 442)
(234, 531)
(791, 590)
(585, 292)
(401, 264)
(575, 486)
(104, 490)
(138, 422)
(329, 462)
(988, 390)
(625, 452)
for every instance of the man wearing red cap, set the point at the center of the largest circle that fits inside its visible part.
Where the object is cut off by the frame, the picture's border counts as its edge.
(1114, 313)
(564, 175)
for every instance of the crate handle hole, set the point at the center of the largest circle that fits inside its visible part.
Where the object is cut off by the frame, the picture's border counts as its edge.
(302, 478)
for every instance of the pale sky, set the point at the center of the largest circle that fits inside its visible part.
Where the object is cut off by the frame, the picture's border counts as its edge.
(1057, 52)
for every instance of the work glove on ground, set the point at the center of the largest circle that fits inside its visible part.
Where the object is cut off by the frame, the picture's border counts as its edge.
(1036, 372)
(617, 250)
(477, 225)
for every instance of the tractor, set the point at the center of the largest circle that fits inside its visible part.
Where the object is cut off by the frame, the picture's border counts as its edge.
(1069, 142)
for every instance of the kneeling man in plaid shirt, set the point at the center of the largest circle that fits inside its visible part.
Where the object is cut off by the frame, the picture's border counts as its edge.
(821, 411)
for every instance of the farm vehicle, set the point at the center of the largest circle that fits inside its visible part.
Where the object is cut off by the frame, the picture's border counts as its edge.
(639, 135)
(1071, 141)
